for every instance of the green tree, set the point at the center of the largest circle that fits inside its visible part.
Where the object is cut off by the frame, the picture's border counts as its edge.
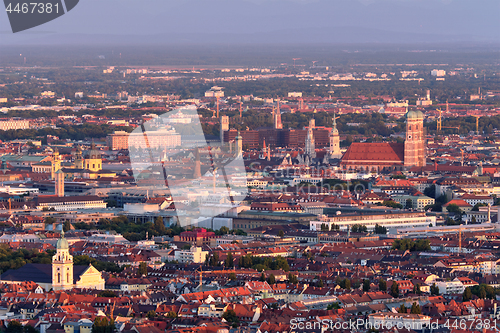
(293, 278)
(453, 208)
(262, 277)
(281, 234)
(107, 293)
(228, 263)
(333, 306)
(395, 289)
(67, 226)
(232, 276)
(103, 325)
(151, 314)
(324, 227)
(320, 283)
(392, 204)
(172, 314)
(231, 317)
(382, 285)
(14, 326)
(402, 309)
(380, 229)
(366, 285)
(347, 284)
(409, 204)
(159, 226)
(416, 289)
(272, 279)
(467, 295)
(434, 290)
(143, 269)
(415, 308)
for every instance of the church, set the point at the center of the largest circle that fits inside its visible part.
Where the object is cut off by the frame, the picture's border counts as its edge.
(389, 156)
(60, 275)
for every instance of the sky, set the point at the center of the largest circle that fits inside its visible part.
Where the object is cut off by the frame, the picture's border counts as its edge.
(266, 21)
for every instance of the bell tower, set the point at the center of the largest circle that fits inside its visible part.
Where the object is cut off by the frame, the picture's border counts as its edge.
(335, 140)
(414, 141)
(62, 266)
(56, 163)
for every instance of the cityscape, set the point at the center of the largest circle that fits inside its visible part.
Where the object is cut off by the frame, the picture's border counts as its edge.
(249, 187)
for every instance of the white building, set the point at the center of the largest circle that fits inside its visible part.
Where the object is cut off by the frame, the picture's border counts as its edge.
(396, 220)
(450, 287)
(438, 72)
(194, 255)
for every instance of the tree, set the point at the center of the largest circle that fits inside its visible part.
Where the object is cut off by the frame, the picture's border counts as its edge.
(102, 325)
(382, 285)
(347, 284)
(453, 208)
(430, 191)
(479, 204)
(49, 220)
(143, 269)
(395, 289)
(467, 295)
(232, 276)
(228, 263)
(231, 317)
(159, 226)
(380, 229)
(416, 289)
(402, 309)
(272, 279)
(172, 314)
(107, 293)
(263, 277)
(324, 227)
(333, 306)
(415, 308)
(151, 314)
(320, 283)
(293, 278)
(409, 204)
(14, 326)
(392, 204)
(434, 290)
(67, 226)
(366, 285)
(281, 234)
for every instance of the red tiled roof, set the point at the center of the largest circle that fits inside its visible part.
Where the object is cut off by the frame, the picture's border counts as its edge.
(382, 152)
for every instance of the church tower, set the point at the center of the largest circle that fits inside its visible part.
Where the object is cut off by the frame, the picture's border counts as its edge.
(277, 117)
(415, 141)
(56, 164)
(79, 158)
(62, 266)
(310, 147)
(335, 140)
(224, 126)
(239, 144)
(93, 160)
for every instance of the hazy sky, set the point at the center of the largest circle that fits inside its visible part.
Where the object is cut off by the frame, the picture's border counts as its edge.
(268, 21)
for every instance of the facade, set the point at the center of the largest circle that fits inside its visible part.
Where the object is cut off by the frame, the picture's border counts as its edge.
(121, 140)
(418, 202)
(310, 148)
(14, 124)
(396, 220)
(389, 156)
(194, 255)
(60, 275)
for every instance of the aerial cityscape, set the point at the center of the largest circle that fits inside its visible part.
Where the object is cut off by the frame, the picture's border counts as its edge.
(245, 187)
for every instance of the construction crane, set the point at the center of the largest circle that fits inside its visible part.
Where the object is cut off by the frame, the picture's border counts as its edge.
(439, 121)
(294, 61)
(200, 270)
(477, 123)
(456, 127)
